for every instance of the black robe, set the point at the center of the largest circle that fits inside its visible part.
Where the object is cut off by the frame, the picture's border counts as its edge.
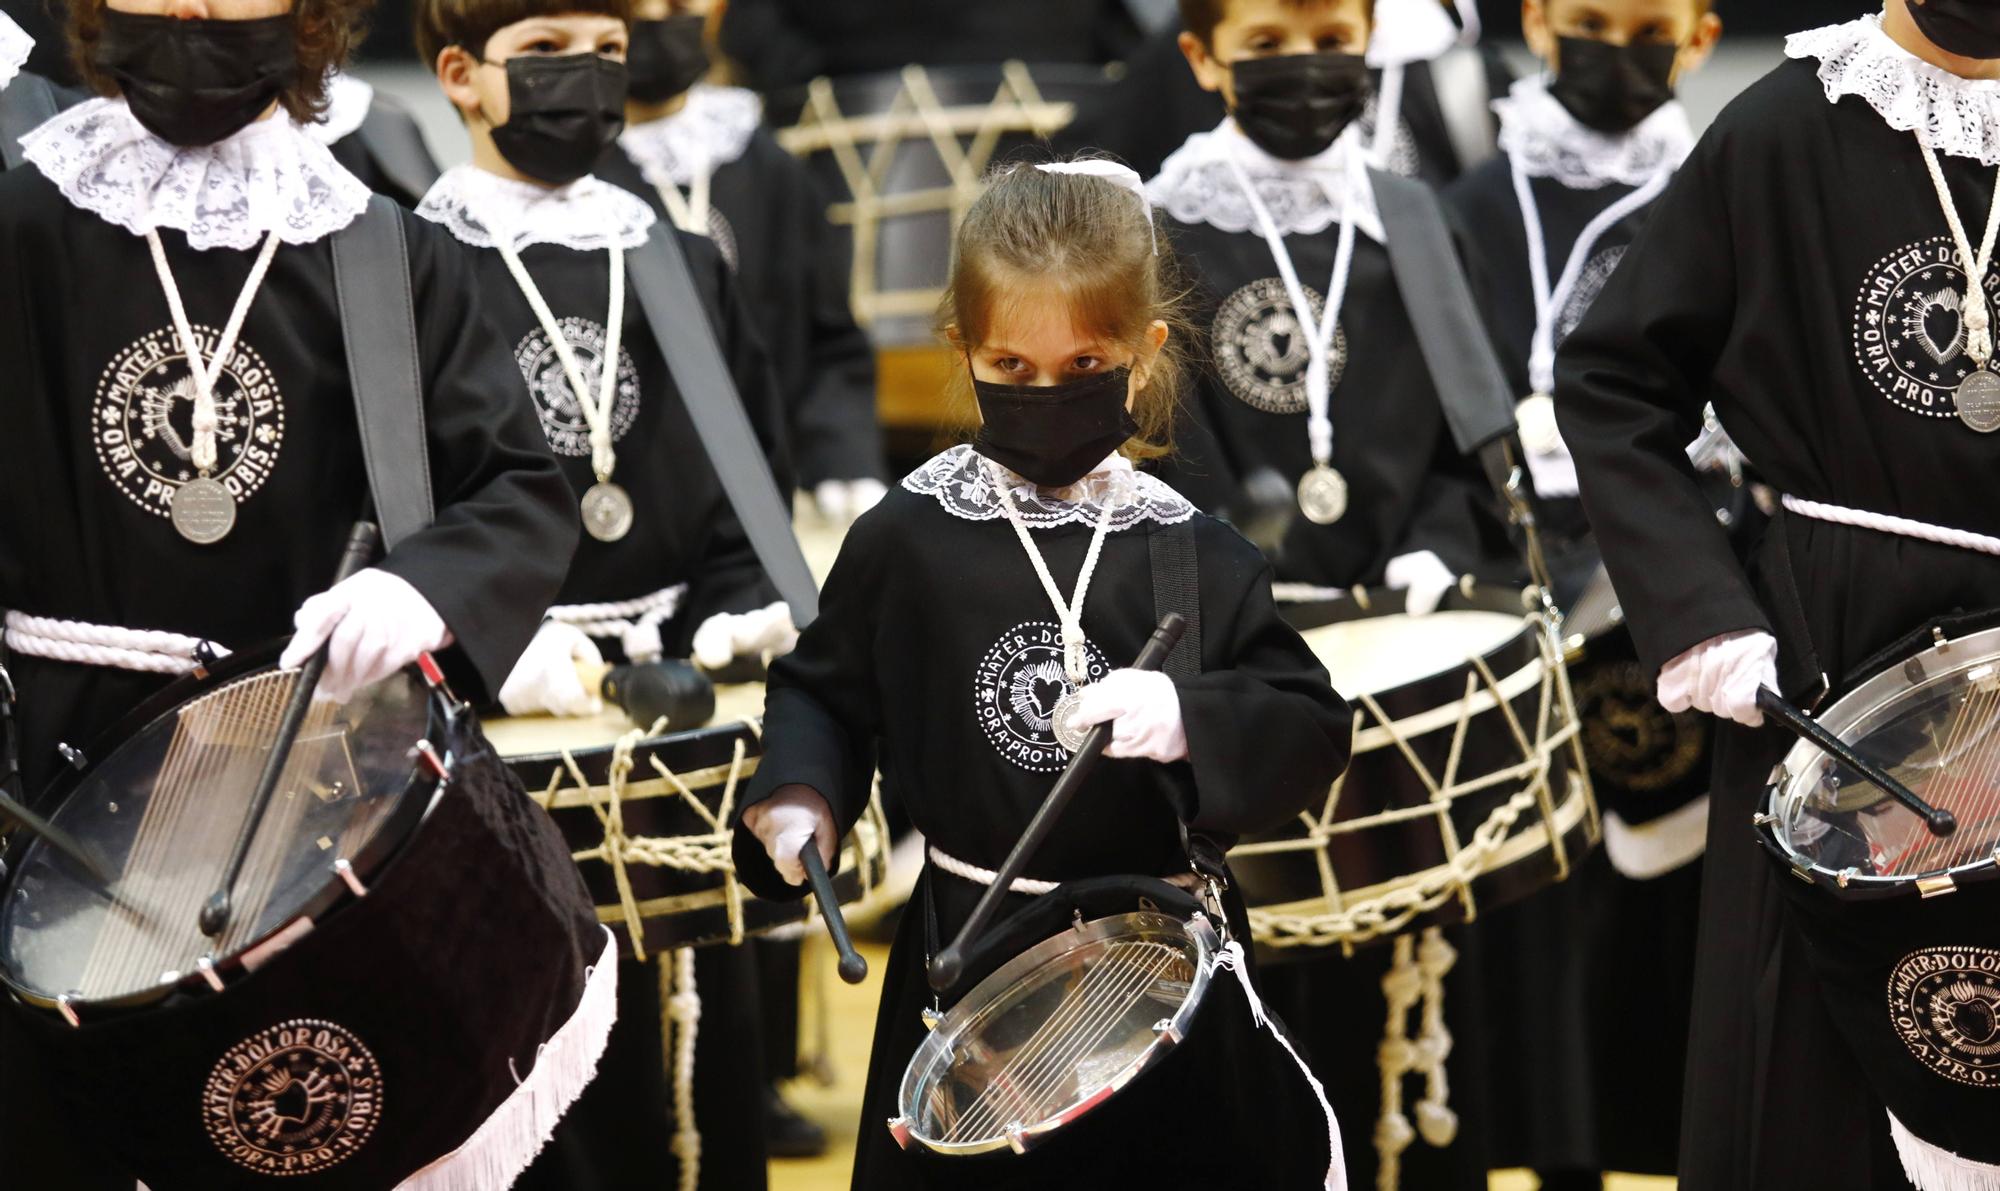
(769, 218)
(84, 532)
(925, 623)
(1788, 275)
(362, 152)
(1409, 489)
(618, 1134)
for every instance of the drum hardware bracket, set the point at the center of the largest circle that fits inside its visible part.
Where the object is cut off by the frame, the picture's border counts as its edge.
(73, 757)
(206, 966)
(899, 1128)
(1938, 639)
(347, 874)
(434, 677)
(1763, 819)
(1076, 919)
(1937, 886)
(68, 1013)
(1802, 869)
(429, 753)
(1166, 1028)
(1017, 1138)
(1845, 875)
(205, 655)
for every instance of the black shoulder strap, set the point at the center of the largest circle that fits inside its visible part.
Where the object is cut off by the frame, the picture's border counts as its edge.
(1177, 588)
(25, 104)
(674, 311)
(371, 280)
(1470, 384)
(393, 139)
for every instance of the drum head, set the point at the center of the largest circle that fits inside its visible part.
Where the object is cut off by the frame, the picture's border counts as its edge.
(1381, 653)
(161, 813)
(1934, 724)
(1055, 1031)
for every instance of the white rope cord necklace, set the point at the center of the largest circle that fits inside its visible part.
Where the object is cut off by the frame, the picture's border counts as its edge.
(1076, 658)
(1978, 395)
(607, 508)
(203, 510)
(1323, 490)
(690, 211)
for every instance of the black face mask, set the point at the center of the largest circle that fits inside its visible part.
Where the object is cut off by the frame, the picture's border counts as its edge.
(1968, 28)
(196, 82)
(563, 112)
(666, 57)
(1612, 87)
(1054, 435)
(1294, 106)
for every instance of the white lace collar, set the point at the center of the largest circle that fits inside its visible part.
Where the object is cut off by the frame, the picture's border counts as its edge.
(967, 486)
(588, 214)
(270, 176)
(347, 102)
(1953, 115)
(1540, 135)
(14, 46)
(1409, 31)
(1196, 185)
(711, 130)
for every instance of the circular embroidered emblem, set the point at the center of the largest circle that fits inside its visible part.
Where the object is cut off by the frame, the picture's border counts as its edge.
(142, 420)
(1909, 330)
(1589, 283)
(293, 1099)
(1261, 351)
(1945, 1005)
(1016, 688)
(1627, 736)
(563, 422)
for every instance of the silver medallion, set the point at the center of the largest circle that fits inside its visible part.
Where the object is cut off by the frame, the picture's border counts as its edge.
(1978, 401)
(607, 511)
(1069, 733)
(1323, 495)
(203, 511)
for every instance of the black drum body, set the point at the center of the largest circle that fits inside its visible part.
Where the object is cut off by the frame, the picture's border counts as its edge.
(1466, 790)
(366, 1031)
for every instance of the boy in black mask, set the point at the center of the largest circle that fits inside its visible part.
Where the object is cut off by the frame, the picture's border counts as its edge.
(1585, 151)
(541, 87)
(701, 155)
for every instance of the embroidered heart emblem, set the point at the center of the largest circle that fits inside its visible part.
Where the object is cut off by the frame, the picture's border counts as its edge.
(1934, 314)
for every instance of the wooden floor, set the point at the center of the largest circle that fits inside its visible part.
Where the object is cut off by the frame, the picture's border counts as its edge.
(838, 1107)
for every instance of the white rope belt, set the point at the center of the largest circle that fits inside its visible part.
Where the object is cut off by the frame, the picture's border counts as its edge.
(146, 650)
(635, 622)
(967, 871)
(1923, 531)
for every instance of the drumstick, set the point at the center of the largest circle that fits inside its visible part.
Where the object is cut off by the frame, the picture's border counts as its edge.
(54, 837)
(1941, 822)
(950, 963)
(361, 544)
(853, 968)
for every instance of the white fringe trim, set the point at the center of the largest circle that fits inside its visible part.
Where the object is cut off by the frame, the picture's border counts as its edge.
(1231, 958)
(1933, 1168)
(506, 1142)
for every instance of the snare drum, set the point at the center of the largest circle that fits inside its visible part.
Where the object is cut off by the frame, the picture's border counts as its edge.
(1467, 787)
(648, 821)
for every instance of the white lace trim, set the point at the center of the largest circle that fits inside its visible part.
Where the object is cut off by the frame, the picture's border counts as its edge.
(1952, 115)
(1409, 31)
(1539, 133)
(711, 130)
(347, 102)
(588, 214)
(964, 483)
(14, 46)
(1197, 185)
(270, 176)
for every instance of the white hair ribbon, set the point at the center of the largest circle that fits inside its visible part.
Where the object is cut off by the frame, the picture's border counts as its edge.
(1116, 173)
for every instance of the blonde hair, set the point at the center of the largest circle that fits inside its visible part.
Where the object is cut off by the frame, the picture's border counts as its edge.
(1088, 242)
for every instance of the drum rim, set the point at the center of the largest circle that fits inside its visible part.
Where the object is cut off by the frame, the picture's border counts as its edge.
(1496, 599)
(396, 831)
(937, 1046)
(1874, 693)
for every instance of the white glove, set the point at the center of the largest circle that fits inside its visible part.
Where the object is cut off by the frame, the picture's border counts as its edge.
(785, 821)
(1721, 676)
(1144, 711)
(1423, 576)
(726, 636)
(1548, 457)
(545, 680)
(841, 501)
(374, 623)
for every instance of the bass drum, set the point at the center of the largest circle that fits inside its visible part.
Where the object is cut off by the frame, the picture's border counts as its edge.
(647, 821)
(1467, 789)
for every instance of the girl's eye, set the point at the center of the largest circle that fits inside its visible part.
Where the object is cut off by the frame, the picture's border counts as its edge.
(1009, 364)
(543, 45)
(1085, 364)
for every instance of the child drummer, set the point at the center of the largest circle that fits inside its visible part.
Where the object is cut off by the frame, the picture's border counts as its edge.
(1820, 270)
(1002, 577)
(664, 567)
(1313, 408)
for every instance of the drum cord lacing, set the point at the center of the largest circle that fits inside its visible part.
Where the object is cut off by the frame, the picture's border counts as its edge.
(679, 1025)
(148, 651)
(635, 623)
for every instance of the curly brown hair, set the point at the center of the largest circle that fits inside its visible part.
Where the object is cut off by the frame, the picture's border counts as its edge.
(325, 32)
